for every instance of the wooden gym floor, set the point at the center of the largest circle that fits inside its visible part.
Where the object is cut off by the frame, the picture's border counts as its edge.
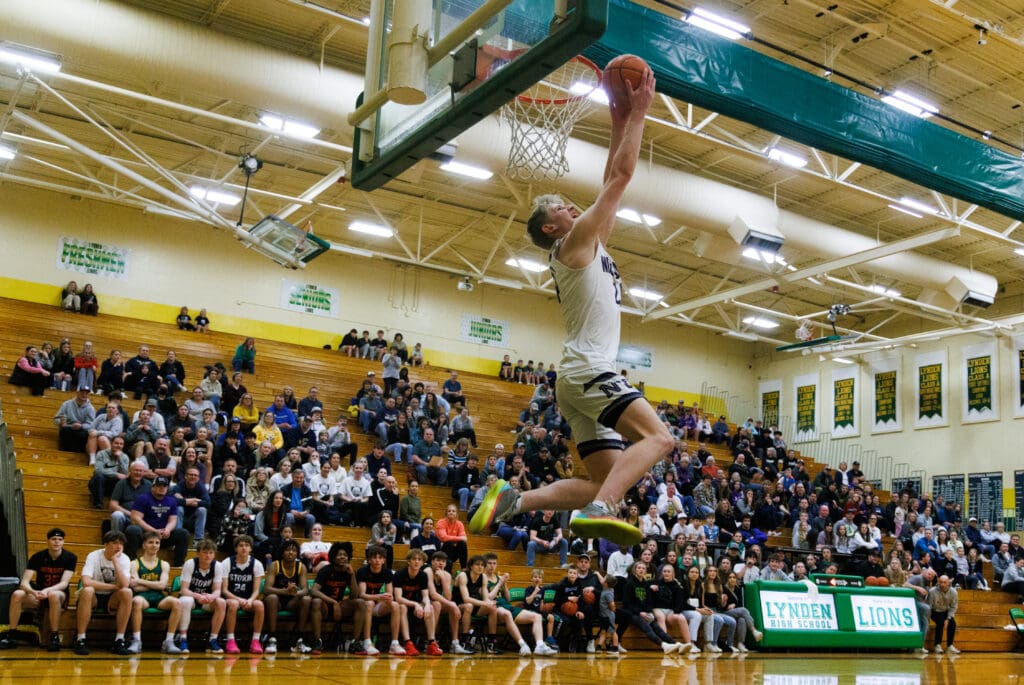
(40, 668)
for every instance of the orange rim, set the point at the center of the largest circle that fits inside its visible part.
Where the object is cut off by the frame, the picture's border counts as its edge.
(562, 101)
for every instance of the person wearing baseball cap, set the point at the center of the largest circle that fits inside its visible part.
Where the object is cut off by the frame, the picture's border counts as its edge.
(44, 585)
(157, 511)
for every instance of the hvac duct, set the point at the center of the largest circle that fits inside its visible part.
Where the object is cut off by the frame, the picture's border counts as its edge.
(116, 43)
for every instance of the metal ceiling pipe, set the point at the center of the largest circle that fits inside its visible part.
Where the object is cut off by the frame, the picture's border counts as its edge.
(99, 39)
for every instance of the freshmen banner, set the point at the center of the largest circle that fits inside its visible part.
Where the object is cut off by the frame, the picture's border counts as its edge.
(931, 379)
(805, 393)
(770, 394)
(980, 383)
(845, 402)
(91, 258)
(885, 390)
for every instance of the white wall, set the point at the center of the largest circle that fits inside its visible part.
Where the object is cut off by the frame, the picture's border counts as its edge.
(178, 263)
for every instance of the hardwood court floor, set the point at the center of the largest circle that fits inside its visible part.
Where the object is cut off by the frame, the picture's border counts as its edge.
(39, 668)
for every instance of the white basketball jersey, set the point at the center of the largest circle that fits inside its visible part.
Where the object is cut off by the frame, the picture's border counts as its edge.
(590, 299)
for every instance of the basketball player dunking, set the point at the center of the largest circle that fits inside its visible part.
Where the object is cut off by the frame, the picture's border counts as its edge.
(599, 404)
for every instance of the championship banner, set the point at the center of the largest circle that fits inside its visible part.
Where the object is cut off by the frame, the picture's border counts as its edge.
(95, 259)
(930, 375)
(805, 392)
(309, 298)
(845, 402)
(770, 394)
(1018, 376)
(485, 331)
(885, 389)
(980, 383)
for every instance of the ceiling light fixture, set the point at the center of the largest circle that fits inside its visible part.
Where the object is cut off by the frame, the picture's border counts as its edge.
(29, 58)
(758, 322)
(7, 152)
(526, 265)
(787, 158)
(294, 128)
(645, 294)
(1019, 251)
(917, 205)
(635, 217)
(717, 24)
(910, 104)
(216, 197)
(843, 360)
(371, 229)
(882, 290)
(906, 211)
(762, 256)
(749, 337)
(467, 170)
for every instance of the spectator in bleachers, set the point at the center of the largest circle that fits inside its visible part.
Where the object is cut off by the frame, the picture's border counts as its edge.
(349, 345)
(28, 372)
(196, 404)
(233, 392)
(184, 320)
(364, 347)
(310, 402)
(70, 298)
(245, 356)
(111, 467)
(172, 373)
(44, 586)
(378, 346)
(1013, 579)
(157, 511)
(302, 438)
(340, 440)
(106, 577)
(462, 427)
(63, 366)
(943, 601)
(300, 499)
(452, 533)
(225, 493)
(193, 502)
(133, 368)
(354, 496)
(392, 364)
(103, 428)
(370, 407)
(466, 481)
(246, 412)
(427, 461)
(270, 522)
(73, 420)
(212, 388)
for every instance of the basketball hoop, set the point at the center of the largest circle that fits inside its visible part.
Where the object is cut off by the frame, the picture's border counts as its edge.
(542, 118)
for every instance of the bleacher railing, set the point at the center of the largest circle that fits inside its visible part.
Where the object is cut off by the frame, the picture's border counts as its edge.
(12, 496)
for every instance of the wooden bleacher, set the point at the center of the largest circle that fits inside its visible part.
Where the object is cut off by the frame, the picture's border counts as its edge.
(55, 481)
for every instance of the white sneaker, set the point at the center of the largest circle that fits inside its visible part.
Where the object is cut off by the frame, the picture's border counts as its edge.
(742, 648)
(938, 649)
(713, 648)
(395, 649)
(622, 650)
(543, 650)
(135, 646)
(922, 651)
(1010, 626)
(682, 647)
(734, 649)
(668, 647)
(694, 649)
(301, 647)
(952, 650)
(524, 649)
(758, 635)
(271, 646)
(590, 647)
(168, 647)
(369, 648)
(457, 648)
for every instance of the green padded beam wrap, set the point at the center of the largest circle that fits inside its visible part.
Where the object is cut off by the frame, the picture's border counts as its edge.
(709, 71)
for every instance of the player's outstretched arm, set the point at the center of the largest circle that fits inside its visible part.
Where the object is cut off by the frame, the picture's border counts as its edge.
(595, 224)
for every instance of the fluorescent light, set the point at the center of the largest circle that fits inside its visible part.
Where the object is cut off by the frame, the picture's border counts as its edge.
(7, 152)
(749, 337)
(1020, 251)
(366, 21)
(906, 211)
(633, 216)
(787, 158)
(664, 304)
(467, 170)
(502, 283)
(918, 206)
(763, 256)
(758, 322)
(882, 290)
(32, 59)
(717, 24)
(294, 128)
(526, 265)
(371, 229)
(843, 360)
(215, 196)
(645, 294)
(910, 104)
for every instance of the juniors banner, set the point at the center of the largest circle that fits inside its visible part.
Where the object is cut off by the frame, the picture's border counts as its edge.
(770, 394)
(845, 402)
(805, 393)
(980, 395)
(885, 390)
(932, 381)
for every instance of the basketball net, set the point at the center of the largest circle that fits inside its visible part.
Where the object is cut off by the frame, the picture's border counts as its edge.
(542, 118)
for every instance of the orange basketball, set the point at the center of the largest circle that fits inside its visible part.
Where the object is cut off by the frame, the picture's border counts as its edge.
(589, 596)
(871, 581)
(569, 608)
(882, 581)
(623, 70)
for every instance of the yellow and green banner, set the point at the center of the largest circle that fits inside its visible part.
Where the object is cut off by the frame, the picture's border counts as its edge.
(980, 383)
(931, 390)
(805, 392)
(845, 402)
(885, 375)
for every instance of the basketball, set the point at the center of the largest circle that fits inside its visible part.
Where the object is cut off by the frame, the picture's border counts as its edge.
(589, 596)
(624, 69)
(871, 581)
(569, 608)
(882, 581)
